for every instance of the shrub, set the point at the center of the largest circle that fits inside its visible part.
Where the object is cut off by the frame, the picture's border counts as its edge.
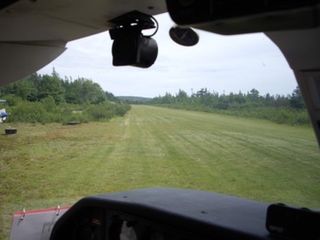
(29, 112)
(47, 111)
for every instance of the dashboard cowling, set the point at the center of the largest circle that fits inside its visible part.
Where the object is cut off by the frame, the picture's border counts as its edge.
(162, 213)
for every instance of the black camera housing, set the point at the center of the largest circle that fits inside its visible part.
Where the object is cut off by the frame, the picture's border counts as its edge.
(131, 47)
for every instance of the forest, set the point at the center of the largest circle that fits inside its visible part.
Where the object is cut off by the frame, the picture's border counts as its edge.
(49, 98)
(287, 109)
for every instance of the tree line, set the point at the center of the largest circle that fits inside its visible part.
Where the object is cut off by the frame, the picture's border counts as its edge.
(49, 98)
(37, 87)
(288, 109)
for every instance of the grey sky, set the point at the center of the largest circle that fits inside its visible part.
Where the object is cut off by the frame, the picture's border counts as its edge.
(220, 63)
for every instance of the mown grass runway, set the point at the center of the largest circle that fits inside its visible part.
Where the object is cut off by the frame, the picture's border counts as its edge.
(47, 165)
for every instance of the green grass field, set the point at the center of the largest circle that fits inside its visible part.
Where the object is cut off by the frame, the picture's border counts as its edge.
(47, 165)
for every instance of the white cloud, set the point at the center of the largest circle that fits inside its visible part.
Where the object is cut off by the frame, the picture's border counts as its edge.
(220, 63)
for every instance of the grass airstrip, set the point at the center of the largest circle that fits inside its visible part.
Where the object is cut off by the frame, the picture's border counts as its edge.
(49, 165)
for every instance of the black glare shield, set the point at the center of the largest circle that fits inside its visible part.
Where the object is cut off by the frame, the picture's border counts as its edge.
(185, 12)
(293, 223)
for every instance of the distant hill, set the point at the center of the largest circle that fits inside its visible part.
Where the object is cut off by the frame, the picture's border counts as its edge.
(132, 99)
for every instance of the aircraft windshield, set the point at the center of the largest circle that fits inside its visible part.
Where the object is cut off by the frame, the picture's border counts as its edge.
(225, 115)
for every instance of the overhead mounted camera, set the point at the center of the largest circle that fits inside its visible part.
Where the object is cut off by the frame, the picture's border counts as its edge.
(130, 46)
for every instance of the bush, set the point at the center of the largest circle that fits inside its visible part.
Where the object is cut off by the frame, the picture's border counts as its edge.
(12, 100)
(278, 115)
(107, 110)
(29, 112)
(100, 112)
(47, 111)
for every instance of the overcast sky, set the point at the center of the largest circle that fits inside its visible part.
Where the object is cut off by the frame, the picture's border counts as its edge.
(219, 63)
